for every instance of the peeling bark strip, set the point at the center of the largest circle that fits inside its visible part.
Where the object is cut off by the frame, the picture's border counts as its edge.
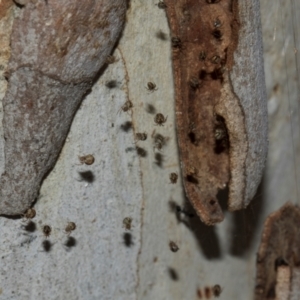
(221, 137)
(57, 48)
(278, 257)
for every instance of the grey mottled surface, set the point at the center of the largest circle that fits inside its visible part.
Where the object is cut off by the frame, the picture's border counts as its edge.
(248, 81)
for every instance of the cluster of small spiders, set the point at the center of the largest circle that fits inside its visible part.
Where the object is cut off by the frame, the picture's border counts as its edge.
(71, 226)
(47, 229)
(31, 213)
(88, 159)
(127, 224)
(215, 59)
(213, 67)
(159, 140)
(160, 119)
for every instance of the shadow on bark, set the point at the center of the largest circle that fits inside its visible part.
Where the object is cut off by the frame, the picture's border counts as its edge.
(245, 224)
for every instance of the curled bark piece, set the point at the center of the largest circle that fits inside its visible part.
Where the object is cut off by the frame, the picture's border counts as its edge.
(221, 107)
(57, 48)
(278, 257)
(248, 82)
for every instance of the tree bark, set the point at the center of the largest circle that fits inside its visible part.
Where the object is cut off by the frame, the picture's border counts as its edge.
(103, 260)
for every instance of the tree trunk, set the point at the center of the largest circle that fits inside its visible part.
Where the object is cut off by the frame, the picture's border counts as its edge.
(100, 259)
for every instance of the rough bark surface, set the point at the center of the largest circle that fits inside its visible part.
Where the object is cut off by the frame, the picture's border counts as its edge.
(57, 48)
(222, 127)
(279, 247)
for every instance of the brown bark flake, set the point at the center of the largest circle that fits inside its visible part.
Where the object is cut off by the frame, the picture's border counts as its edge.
(203, 40)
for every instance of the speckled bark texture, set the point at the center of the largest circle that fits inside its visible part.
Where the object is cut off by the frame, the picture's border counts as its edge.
(57, 48)
(221, 111)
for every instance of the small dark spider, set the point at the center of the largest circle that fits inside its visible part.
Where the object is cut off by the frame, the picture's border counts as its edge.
(216, 59)
(217, 23)
(161, 4)
(87, 159)
(173, 177)
(30, 213)
(47, 230)
(191, 170)
(176, 42)
(151, 87)
(127, 223)
(141, 136)
(194, 83)
(192, 174)
(220, 133)
(173, 246)
(202, 55)
(71, 226)
(141, 152)
(217, 290)
(160, 119)
(126, 106)
(159, 141)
